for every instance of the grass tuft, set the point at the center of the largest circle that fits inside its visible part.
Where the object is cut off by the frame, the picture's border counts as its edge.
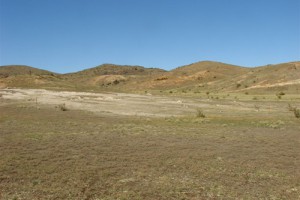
(297, 113)
(200, 114)
(63, 107)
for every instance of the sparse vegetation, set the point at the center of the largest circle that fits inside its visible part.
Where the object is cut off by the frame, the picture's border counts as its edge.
(79, 154)
(295, 110)
(150, 147)
(63, 107)
(200, 114)
(280, 94)
(297, 113)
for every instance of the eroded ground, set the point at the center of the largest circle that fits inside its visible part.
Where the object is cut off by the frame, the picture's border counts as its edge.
(127, 146)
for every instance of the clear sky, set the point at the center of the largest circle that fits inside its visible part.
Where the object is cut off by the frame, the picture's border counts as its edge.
(71, 35)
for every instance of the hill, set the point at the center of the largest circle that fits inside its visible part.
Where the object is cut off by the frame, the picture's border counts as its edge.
(193, 78)
(26, 76)
(14, 70)
(111, 69)
(284, 76)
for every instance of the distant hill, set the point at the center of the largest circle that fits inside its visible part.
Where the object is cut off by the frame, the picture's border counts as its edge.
(194, 78)
(13, 70)
(111, 69)
(284, 76)
(210, 66)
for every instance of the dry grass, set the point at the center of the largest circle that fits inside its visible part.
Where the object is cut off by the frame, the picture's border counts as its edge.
(47, 154)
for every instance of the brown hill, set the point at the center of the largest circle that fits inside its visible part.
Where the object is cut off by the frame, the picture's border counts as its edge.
(196, 77)
(26, 76)
(111, 69)
(284, 76)
(110, 76)
(210, 66)
(14, 70)
(193, 76)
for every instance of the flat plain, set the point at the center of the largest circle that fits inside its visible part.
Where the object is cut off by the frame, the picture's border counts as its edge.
(84, 145)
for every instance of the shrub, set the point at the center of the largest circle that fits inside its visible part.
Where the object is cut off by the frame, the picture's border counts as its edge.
(280, 94)
(200, 114)
(297, 113)
(63, 107)
(295, 110)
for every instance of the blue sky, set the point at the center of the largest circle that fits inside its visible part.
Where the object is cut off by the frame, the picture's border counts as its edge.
(71, 35)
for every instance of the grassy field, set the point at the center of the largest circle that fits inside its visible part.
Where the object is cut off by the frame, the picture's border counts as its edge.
(50, 154)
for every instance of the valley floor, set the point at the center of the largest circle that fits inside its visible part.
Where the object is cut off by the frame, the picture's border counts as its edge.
(129, 146)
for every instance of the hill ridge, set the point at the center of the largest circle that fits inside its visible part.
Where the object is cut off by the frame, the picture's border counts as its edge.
(195, 77)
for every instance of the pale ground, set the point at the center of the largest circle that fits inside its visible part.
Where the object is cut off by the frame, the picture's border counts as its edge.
(142, 105)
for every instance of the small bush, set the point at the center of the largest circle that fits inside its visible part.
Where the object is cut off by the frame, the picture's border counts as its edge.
(200, 114)
(63, 107)
(295, 110)
(297, 113)
(280, 94)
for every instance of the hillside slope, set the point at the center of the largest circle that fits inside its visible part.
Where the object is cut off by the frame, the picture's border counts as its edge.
(14, 70)
(196, 77)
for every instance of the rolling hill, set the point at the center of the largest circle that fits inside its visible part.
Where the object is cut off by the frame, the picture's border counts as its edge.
(195, 77)
(14, 70)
